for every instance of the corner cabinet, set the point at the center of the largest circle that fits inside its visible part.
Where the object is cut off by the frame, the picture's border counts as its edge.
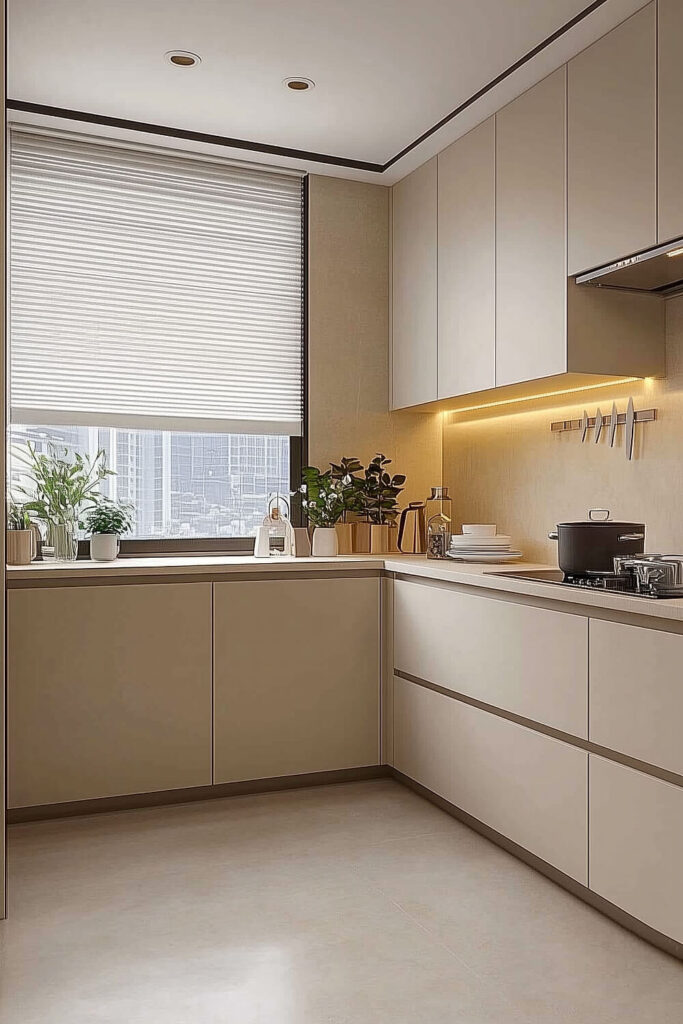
(414, 287)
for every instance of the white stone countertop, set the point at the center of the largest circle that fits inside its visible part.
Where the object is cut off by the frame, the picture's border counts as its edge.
(479, 575)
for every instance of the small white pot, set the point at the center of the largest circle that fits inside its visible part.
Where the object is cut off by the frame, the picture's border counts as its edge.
(325, 543)
(104, 547)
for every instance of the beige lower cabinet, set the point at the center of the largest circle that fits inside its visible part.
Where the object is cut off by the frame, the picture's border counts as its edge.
(636, 694)
(529, 787)
(296, 676)
(528, 660)
(636, 844)
(109, 691)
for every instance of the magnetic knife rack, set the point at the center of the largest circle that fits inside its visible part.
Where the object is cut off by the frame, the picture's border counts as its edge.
(644, 416)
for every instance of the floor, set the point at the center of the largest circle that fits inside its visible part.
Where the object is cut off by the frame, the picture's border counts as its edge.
(350, 904)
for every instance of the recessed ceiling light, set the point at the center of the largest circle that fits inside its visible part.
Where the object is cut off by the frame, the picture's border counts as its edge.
(183, 58)
(299, 84)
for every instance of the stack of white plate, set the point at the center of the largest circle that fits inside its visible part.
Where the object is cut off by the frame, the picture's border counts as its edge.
(468, 548)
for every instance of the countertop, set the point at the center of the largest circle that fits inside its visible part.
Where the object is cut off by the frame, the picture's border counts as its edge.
(468, 574)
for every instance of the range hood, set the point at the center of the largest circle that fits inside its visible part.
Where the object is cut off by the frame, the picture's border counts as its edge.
(658, 270)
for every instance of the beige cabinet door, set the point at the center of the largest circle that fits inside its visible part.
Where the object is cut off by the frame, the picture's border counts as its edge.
(670, 122)
(466, 263)
(636, 694)
(531, 274)
(413, 288)
(636, 844)
(531, 661)
(424, 737)
(115, 697)
(612, 145)
(529, 787)
(296, 677)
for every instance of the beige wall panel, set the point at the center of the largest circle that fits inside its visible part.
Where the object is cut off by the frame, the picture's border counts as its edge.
(612, 145)
(530, 787)
(530, 661)
(414, 287)
(506, 467)
(531, 234)
(296, 677)
(116, 696)
(424, 737)
(636, 844)
(670, 121)
(466, 263)
(349, 338)
(636, 695)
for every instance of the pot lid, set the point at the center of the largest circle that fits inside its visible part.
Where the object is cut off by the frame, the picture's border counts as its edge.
(600, 517)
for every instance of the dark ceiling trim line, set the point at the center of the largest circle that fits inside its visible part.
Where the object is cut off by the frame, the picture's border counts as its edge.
(302, 154)
(182, 133)
(497, 80)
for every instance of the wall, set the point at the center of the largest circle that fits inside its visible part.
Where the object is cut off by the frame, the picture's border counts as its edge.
(349, 338)
(509, 468)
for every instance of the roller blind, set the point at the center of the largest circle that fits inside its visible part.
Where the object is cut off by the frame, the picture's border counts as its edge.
(153, 289)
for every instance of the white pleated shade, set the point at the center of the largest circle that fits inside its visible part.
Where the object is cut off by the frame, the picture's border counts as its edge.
(153, 289)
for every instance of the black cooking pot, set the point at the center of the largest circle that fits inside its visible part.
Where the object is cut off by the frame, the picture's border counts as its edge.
(590, 546)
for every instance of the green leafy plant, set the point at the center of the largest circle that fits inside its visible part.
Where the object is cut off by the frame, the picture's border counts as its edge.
(109, 516)
(17, 517)
(350, 485)
(380, 491)
(322, 497)
(62, 484)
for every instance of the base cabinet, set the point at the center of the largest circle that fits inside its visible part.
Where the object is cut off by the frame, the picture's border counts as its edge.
(528, 786)
(296, 677)
(109, 691)
(636, 844)
(527, 660)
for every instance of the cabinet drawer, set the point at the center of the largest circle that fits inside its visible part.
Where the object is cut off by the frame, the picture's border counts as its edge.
(527, 786)
(636, 844)
(531, 661)
(636, 692)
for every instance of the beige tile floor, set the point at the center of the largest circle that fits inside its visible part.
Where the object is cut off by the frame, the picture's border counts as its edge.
(356, 904)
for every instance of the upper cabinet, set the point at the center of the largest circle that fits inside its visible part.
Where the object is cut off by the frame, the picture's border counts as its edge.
(466, 263)
(670, 121)
(414, 284)
(530, 234)
(612, 188)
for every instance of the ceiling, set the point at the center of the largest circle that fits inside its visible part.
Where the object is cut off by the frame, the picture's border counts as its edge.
(386, 71)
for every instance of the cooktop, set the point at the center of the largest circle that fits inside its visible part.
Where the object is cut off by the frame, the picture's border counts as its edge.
(619, 583)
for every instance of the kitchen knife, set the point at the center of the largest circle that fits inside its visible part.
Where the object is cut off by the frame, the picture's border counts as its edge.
(629, 429)
(584, 426)
(598, 426)
(613, 424)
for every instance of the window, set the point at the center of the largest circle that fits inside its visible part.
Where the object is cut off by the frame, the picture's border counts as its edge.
(156, 312)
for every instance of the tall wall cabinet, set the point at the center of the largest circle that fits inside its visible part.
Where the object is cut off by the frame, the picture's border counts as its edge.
(564, 178)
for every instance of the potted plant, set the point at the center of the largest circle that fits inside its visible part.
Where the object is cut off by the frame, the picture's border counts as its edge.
(61, 485)
(351, 490)
(323, 503)
(106, 521)
(380, 501)
(20, 538)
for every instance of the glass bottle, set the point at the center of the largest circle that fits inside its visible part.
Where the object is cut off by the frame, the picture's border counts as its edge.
(439, 503)
(438, 536)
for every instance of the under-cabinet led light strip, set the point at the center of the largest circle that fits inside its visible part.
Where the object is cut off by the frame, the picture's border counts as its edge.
(544, 394)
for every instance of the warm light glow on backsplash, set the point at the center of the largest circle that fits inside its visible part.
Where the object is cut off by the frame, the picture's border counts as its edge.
(545, 394)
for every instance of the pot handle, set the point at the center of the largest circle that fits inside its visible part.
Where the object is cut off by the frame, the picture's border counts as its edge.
(553, 535)
(598, 515)
(630, 536)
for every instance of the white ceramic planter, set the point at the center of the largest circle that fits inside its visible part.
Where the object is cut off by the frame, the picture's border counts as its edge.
(325, 541)
(104, 547)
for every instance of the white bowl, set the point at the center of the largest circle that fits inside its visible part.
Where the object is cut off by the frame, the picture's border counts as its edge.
(479, 529)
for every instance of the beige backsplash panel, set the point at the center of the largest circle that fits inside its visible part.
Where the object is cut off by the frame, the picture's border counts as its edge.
(508, 468)
(349, 338)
